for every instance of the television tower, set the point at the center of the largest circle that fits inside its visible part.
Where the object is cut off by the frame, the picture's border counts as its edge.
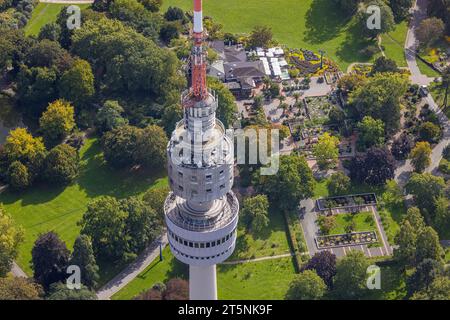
(201, 212)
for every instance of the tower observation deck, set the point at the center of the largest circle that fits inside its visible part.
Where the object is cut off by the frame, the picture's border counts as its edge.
(201, 212)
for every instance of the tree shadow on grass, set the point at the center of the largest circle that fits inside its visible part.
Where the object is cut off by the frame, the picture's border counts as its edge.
(178, 270)
(324, 21)
(351, 49)
(98, 178)
(37, 194)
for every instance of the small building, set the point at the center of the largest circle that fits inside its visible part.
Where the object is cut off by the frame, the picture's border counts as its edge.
(240, 74)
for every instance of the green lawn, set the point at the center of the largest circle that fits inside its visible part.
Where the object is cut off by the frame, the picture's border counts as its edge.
(156, 272)
(255, 280)
(311, 24)
(45, 13)
(394, 42)
(265, 280)
(45, 208)
(426, 70)
(270, 241)
(363, 222)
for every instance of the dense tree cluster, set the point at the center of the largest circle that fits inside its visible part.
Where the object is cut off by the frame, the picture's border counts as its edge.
(119, 229)
(126, 146)
(255, 213)
(374, 168)
(293, 182)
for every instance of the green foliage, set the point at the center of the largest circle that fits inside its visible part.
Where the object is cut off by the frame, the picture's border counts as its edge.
(119, 229)
(426, 188)
(77, 83)
(61, 164)
(424, 275)
(371, 132)
(23, 147)
(17, 288)
(83, 257)
(51, 31)
(430, 132)
(387, 18)
(380, 98)
(261, 36)
(57, 121)
(374, 168)
(383, 64)
(152, 5)
(119, 146)
(134, 14)
(18, 176)
(155, 199)
(170, 31)
(421, 156)
(171, 115)
(438, 290)
(293, 183)
(351, 276)
(174, 14)
(326, 151)
(151, 147)
(126, 61)
(255, 213)
(227, 109)
(400, 8)
(11, 238)
(429, 31)
(428, 246)
(50, 258)
(109, 116)
(306, 286)
(59, 291)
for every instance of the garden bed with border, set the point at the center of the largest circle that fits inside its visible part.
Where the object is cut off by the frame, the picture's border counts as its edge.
(348, 239)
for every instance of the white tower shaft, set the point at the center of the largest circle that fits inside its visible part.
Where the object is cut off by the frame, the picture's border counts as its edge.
(202, 283)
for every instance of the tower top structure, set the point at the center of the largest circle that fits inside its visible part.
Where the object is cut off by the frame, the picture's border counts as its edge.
(198, 57)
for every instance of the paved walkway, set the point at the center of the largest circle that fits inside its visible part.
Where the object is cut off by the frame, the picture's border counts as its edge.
(404, 171)
(286, 255)
(132, 270)
(419, 12)
(17, 271)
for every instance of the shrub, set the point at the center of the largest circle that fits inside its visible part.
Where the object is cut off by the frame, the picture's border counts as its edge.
(17, 176)
(61, 164)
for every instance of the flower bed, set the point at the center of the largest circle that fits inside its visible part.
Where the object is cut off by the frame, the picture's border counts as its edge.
(349, 239)
(349, 201)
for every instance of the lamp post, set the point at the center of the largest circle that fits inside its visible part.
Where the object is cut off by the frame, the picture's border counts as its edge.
(161, 258)
(321, 58)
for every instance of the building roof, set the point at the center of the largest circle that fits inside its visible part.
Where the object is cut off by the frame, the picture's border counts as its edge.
(216, 69)
(253, 69)
(234, 54)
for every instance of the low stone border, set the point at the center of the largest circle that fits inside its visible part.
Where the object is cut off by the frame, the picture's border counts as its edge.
(345, 240)
(370, 199)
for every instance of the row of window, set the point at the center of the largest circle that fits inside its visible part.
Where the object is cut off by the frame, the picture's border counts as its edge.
(202, 258)
(194, 192)
(201, 245)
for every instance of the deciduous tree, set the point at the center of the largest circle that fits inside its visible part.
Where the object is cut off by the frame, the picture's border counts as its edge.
(50, 258)
(10, 239)
(306, 286)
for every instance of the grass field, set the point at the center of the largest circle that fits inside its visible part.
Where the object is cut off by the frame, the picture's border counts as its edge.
(311, 24)
(45, 13)
(255, 280)
(363, 221)
(44, 208)
(393, 44)
(269, 242)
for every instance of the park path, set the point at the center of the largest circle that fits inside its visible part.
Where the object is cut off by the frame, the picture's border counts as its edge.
(133, 269)
(286, 255)
(17, 271)
(404, 171)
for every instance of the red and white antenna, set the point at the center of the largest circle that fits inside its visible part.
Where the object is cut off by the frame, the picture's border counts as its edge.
(198, 57)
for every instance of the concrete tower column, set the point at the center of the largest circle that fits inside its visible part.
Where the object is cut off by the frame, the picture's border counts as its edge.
(202, 283)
